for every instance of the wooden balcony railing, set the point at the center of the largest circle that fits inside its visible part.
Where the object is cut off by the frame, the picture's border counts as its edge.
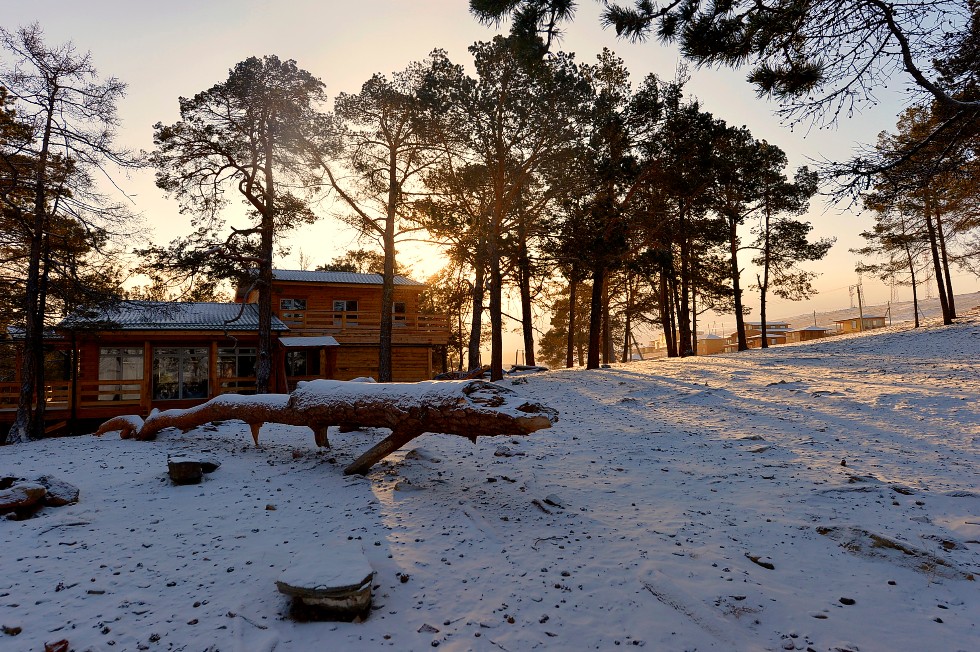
(57, 395)
(109, 393)
(99, 393)
(334, 321)
(237, 385)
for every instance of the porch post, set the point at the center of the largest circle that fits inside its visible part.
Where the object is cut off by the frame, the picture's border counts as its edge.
(213, 370)
(146, 386)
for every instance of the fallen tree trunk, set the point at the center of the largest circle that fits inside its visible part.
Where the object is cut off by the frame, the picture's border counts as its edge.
(469, 408)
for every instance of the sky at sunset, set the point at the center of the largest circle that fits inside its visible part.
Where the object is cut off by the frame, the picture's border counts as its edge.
(178, 48)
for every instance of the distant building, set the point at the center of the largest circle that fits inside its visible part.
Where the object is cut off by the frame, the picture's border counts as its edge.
(708, 344)
(853, 325)
(775, 334)
(807, 334)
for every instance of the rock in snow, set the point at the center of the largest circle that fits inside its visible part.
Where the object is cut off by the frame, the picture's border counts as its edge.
(22, 495)
(59, 492)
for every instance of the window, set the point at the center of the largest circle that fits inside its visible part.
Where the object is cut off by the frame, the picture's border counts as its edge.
(236, 370)
(57, 365)
(180, 373)
(345, 311)
(398, 313)
(292, 304)
(123, 364)
(303, 363)
(238, 362)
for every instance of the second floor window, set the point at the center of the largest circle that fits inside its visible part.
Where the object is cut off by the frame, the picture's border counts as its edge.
(345, 311)
(292, 304)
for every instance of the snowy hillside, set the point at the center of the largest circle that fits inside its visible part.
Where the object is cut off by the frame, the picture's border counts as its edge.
(898, 312)
(812, 497)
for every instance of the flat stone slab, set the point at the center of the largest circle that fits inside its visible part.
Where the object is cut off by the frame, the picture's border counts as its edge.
(332, 583)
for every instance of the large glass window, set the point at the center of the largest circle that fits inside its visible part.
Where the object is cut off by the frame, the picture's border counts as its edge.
(122, 364)
(180, 373)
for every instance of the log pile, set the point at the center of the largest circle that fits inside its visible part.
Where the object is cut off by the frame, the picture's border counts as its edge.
(469, 408)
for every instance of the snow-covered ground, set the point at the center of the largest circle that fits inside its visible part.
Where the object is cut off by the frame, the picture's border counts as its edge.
(821, 496)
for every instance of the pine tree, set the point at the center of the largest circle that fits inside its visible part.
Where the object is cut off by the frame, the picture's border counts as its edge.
(48, 198)
(258, 132)
(386, 142)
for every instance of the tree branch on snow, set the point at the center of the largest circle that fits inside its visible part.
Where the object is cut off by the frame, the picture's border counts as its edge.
(468, 408)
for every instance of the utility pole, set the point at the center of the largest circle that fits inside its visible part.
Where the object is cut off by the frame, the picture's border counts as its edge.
(859, 288)
(860, 291)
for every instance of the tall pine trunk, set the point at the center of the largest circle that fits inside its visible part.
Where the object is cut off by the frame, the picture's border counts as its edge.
(666, 322)
(606, 333)
(736, 285)
(263, 362)
(476, 324)
(388, 279)
(684, 313)
(595, 316)
(40, 396)
(524, 279)
(945, 260)
(694, 318)
(937, 267)
(627, 325)
(496, 317)
(32, 353)
(915, 292)
(764, 282)
(570, 345)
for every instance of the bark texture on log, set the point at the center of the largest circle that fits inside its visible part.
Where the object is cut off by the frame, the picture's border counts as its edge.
(127, 426)
(469, 408)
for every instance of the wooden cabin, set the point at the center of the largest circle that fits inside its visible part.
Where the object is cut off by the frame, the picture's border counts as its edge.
(347, 307)
(139, 356)
(855, 325)
(710, 344)
(806, 334)
(776, 332)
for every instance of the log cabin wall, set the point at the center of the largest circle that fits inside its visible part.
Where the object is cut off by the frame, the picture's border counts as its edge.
(99, 398)
(409, 363)
(358, 331)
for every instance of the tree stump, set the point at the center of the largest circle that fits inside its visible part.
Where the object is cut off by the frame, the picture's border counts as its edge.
(183, 470)
(332, 584)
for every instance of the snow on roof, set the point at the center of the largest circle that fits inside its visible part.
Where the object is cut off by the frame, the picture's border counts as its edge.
(307, 342)
(812, 328)
(710, 336)
(15, 332)
(338, 277)
(172, 315)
